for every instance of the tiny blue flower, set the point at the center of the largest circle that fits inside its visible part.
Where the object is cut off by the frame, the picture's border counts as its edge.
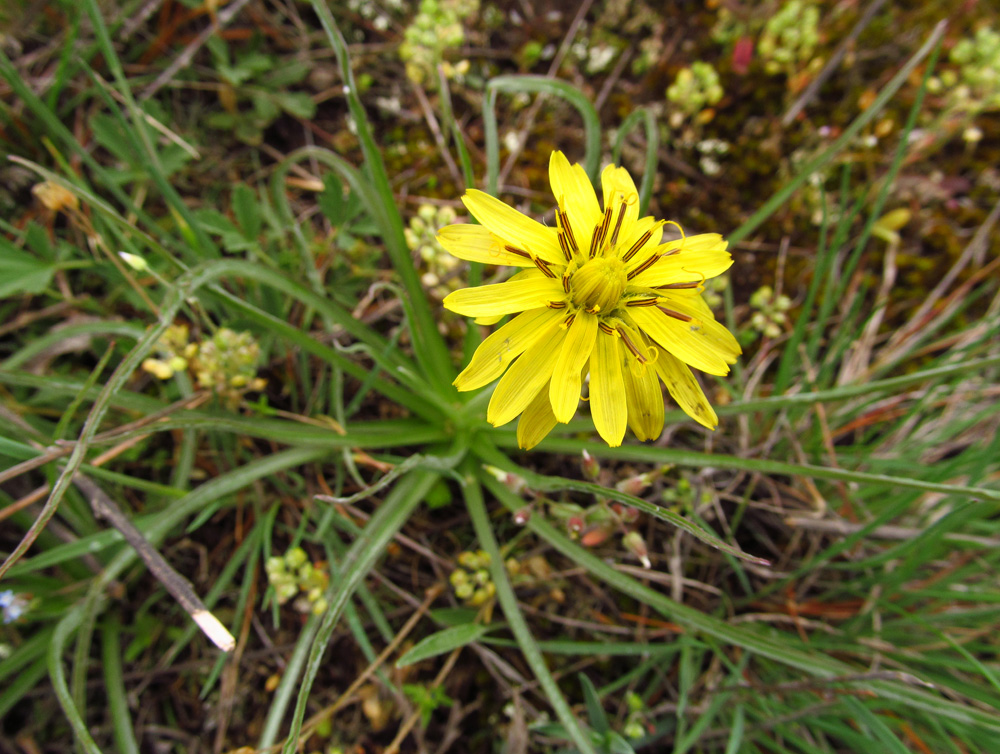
(14, 605)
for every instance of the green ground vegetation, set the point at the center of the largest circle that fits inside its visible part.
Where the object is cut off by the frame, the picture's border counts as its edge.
(225, 383)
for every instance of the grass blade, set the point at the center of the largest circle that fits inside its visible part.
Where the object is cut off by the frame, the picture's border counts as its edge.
(515, 618)
(538, 85)
(359, 560)
(779, 199)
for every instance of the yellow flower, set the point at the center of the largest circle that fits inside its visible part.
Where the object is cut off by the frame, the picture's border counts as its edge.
(55, 197)
(598, 294)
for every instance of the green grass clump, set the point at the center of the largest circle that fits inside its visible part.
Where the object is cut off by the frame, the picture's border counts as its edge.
(226, 390)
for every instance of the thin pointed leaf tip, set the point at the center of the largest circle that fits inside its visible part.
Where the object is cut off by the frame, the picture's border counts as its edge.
(599, 295)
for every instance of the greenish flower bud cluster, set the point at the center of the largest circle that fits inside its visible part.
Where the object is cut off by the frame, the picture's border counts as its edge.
(635, 722)
(176, 353)
(770, 314)
(436, 28)
(714, 288)
(975, 85)
(728, 27)
(790, 38)
(471, 579)
(226, 363)
(695, 88)
(437, 265)
(293, 576)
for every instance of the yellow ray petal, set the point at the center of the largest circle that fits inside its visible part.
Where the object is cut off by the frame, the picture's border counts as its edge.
(643, 398)
(684, 389)
(607, 390)
(691, 298)
(630, 245)
(531, 273)
(696, 342)
(477, 244)
(684, 267)
(575, 194)
(618, 186)
(564, 392)
(504, 298)
(698, 242)
(696, 308)
(497, 352)
(510, 225)
(702, 243)
(525, 378)
(536, 421)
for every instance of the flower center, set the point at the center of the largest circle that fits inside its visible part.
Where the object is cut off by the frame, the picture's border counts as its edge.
(598, 284)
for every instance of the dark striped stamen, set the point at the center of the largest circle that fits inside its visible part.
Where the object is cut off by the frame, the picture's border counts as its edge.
(600, 233)
(675, 315)
(519, 252)
(679, 286)
(569, 320)
(631, 347)
(644, 266)
(637, 245)
(618, 223)
(606, 328)
(556, 304)
(564, 245)
(565, 282)
(641, 302)
(567, 229)
(543, 266)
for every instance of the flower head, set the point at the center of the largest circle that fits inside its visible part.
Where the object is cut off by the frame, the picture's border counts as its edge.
(599, 294)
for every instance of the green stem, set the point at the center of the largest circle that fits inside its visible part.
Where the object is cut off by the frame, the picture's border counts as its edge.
(779, 199)
(515, 618)
(780, 649)
(653, 455)
(538, 85)
(648, 121)
(358, 561)
(432, 351)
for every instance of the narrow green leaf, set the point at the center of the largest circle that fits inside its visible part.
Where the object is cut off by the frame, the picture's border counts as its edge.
(779, 199)
(14, 449)
(781, 649)
(617, 743)
(442, 642)
(432, 351)
(877, 729)
(22, 683)
(247, 211)
(538, 85)
(508, 603)
(649, 454)
(595, 710)
(551, 483)
(331, 199)
(114, 683)
(735, 743)
(645, 117)
(358, 561)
